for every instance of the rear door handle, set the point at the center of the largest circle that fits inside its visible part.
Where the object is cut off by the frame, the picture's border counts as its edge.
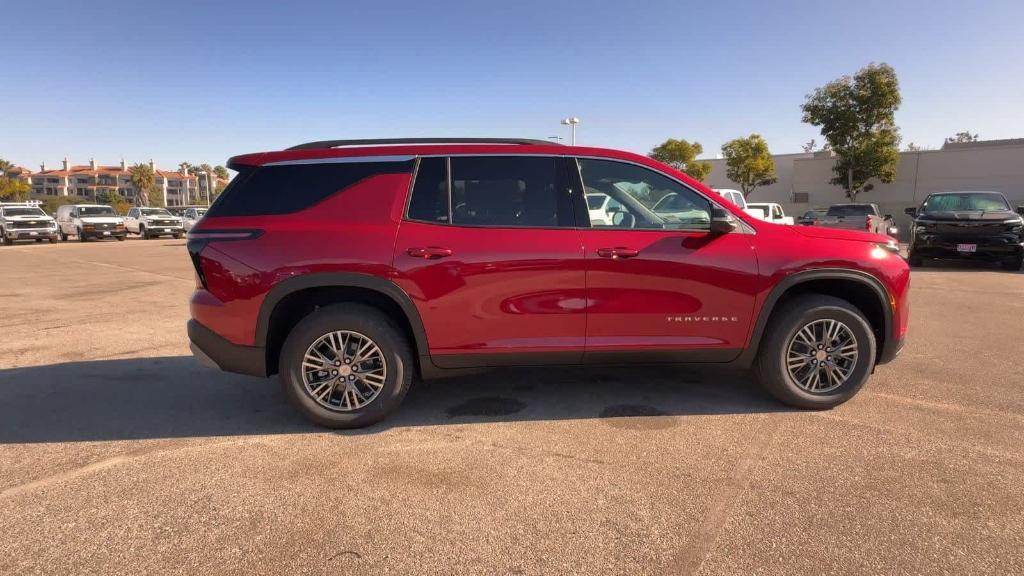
(617, 252)
(429, 252)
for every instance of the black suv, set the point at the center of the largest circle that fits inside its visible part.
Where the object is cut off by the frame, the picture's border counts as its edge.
(967, 225)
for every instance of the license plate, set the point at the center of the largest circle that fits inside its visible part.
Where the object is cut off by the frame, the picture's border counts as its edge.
(167, 229)
(33, 233)
(967, 248)
(105, 233)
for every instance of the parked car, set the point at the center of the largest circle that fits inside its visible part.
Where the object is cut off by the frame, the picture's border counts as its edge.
(811, 217)
(89, 221)
(191, 217)
(967, 225)
(25, 221)
(737, 198)
(858, 216)
(348, 267)
(770, 212)
(153, 222)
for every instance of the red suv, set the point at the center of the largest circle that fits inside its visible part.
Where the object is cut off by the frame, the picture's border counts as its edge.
(350, 267)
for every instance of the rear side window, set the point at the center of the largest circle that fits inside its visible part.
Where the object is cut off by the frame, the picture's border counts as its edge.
(508, 191)
(268, 190)
(429, 201)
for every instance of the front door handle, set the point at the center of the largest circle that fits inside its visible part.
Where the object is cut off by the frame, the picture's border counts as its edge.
(617, 252)
(429, 252)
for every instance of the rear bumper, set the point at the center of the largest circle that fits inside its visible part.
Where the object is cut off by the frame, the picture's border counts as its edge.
(211, 349)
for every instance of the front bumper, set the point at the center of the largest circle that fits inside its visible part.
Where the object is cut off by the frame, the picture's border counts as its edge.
(988, 248)
(153, 230)
(211, 348)
(31, 233)
(891, 349)
(104, 234)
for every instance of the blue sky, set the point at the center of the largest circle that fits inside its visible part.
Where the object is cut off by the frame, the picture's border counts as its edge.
(201, 81)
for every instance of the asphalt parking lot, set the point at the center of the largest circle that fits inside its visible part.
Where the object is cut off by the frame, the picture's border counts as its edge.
(121, 455)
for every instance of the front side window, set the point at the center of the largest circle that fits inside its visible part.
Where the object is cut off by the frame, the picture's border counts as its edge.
(641, 198)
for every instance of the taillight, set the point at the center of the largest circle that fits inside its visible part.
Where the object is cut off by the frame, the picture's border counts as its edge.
(867, 222)
(198, 239)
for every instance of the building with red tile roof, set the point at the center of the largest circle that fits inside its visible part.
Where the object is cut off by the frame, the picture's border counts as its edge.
(85, 181)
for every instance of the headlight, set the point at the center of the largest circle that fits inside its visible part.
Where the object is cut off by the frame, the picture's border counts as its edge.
(920, 229)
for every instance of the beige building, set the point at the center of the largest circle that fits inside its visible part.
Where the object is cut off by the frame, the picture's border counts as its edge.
(85, 181)
(996, 165)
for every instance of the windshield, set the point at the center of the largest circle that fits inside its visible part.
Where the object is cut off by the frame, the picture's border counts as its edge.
(23, 212)
(594, 201)
(850, 210)
(971, 202)
(96, 211)
(154, 212)
(762, 210)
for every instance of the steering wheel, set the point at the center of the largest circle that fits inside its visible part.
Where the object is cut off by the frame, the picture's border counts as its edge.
(624, 219)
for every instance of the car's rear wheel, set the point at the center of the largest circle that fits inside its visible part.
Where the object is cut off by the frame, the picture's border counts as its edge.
(817, 353)
(346, 366)
(1012, 264)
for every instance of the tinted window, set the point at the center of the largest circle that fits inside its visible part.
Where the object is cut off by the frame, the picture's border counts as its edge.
(283, 189)
(508, 191)
(429, 201)
(965, 202)
(850, 210)
(642, 198)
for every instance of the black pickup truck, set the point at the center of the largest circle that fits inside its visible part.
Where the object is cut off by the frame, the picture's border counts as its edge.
(967, 225)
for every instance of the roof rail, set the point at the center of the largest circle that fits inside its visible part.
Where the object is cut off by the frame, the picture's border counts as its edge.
(391, 141)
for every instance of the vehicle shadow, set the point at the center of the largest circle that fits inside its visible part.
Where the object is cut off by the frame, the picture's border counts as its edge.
(174, 397)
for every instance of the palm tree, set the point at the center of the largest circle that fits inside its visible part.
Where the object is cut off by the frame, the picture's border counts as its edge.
(143, 180)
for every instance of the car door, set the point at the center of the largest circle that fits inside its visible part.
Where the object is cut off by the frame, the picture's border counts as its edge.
(663, 287)
(490, 256)
(130, 221)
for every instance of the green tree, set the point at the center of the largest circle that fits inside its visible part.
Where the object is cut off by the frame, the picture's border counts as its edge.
(185, 168)
(749, 163)
(856, 115)
(221, 172)
(961, 137)
(115, 200)
(144, 182)
(682, 155)
(11, 188)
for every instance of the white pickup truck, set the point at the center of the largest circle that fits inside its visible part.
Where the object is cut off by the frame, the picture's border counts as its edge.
(770, 212)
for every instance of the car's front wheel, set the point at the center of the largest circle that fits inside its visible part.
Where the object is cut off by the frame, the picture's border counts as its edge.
(1013, 263)
(817, 353)
(346, 366)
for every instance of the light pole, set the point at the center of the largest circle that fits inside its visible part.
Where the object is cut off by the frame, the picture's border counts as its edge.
(571, 121)
(209, 187)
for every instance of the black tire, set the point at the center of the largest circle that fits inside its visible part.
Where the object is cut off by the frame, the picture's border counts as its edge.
(142, 232)
(177, 236)
(61, 235)
(81, 237)
(120, 238)
(771, 361)
(1012, 265)
(365, 320)
(7, 241)
(914, 261)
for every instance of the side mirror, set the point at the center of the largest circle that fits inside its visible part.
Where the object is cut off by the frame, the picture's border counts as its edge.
(910, 211)
(888, 217)
(722, 221)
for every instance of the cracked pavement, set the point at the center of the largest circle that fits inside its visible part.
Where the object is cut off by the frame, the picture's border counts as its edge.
(121, 455)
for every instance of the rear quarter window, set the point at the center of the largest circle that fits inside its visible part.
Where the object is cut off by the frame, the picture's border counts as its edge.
(269, 190)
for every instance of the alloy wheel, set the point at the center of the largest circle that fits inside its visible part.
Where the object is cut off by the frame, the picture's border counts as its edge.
(344, 370)
(821, 356)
